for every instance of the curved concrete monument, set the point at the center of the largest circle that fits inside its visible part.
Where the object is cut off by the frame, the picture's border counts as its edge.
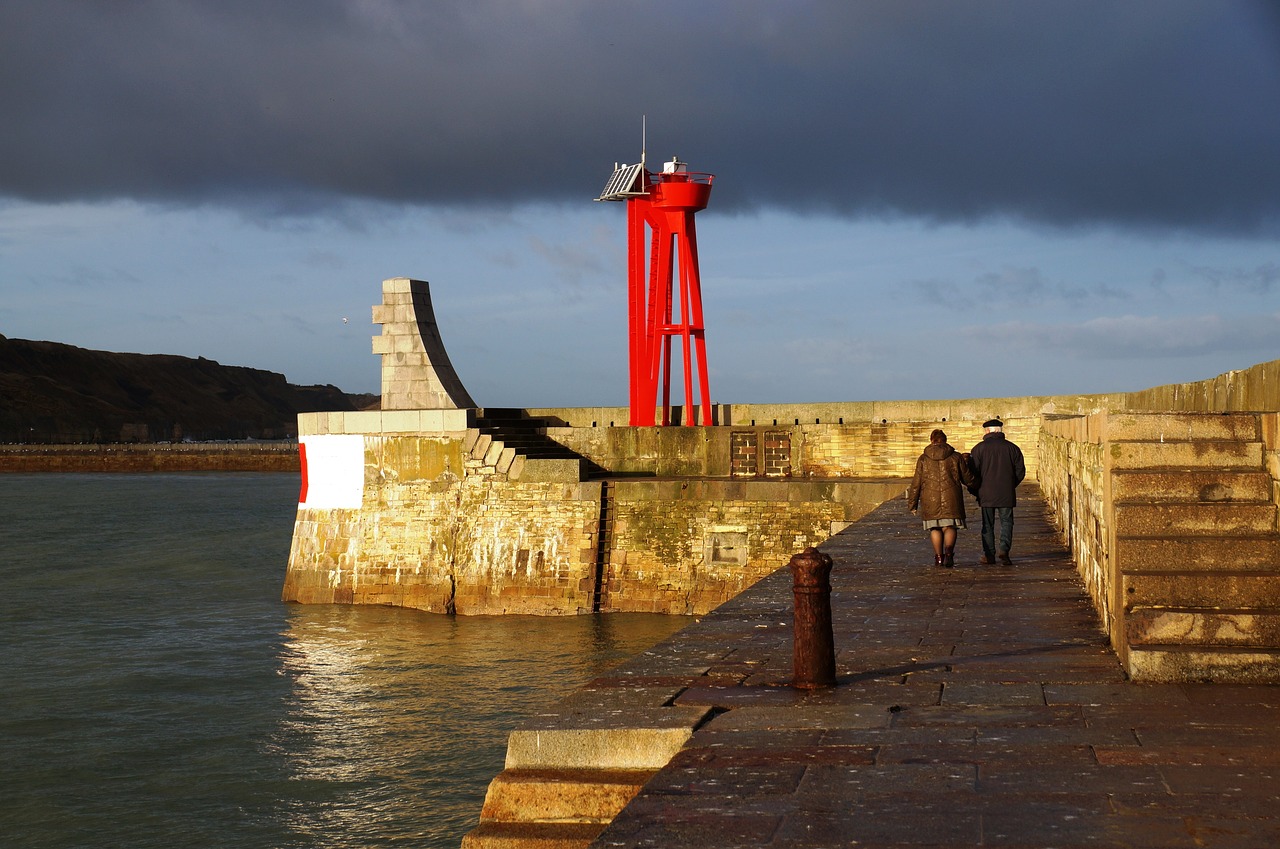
(416, 372)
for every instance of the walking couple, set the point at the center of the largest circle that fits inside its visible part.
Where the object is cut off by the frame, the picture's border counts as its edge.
(991, 471)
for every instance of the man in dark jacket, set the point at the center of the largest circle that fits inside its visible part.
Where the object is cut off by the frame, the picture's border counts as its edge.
(998, 465)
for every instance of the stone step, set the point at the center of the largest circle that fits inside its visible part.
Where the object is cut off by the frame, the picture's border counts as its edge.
(1183, 427)
(634, 735)
(1201, 554)
(1203, 591)
(1191, 520)
(538, 835)
(1196, 485)
(518, 795)
(1186, 455)
(1182, 665)
(1162, 627)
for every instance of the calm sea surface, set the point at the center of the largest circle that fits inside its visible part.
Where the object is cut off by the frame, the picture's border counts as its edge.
(156, 692)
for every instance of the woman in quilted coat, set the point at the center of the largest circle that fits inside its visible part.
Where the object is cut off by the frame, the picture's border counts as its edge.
(937, 492)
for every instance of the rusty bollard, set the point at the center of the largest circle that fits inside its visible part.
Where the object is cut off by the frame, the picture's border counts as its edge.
(815, 652)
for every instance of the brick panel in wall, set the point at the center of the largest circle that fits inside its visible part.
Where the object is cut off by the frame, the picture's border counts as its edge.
(775, 457)
(744, 448)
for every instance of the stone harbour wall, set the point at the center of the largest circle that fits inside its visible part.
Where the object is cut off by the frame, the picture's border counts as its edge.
(1073, 483)
(442, 517)
(152, 457)
(444, 531)
(450, 522)
(817, 450)
(688, 546)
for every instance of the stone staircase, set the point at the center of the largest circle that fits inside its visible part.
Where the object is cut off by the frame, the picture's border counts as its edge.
(519, 446)
(574, 766)
(1195, 547)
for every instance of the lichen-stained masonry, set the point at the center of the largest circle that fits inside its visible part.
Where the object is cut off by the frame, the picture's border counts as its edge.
(1171, 518)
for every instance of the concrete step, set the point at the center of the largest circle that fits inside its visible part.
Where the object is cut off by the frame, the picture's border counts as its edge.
(1186, 455)
(561, 795)
(1199, 554)
(539, 835)
(1183, 427)
(1196, 485)
(1258, 593)
(1190, 520)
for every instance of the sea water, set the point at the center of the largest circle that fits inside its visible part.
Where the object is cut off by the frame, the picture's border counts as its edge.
(157, 693)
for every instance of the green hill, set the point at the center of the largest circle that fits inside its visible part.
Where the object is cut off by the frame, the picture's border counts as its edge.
(56, 393)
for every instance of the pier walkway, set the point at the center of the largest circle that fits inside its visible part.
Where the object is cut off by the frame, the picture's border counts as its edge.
(976, 706)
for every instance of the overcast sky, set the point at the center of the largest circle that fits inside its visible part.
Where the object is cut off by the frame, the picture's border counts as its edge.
(912, 199)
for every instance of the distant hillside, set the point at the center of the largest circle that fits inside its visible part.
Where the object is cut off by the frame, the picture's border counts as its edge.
(55, 393)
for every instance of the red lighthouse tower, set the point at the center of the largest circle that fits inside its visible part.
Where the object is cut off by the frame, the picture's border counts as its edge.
(666, 302)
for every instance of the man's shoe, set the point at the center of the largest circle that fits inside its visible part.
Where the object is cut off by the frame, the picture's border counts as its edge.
(986, 561)
(1004, 558)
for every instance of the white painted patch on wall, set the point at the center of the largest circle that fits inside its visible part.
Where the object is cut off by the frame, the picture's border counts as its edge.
(332, 471)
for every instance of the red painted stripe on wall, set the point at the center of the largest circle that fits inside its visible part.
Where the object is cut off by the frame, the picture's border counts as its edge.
(302, 454)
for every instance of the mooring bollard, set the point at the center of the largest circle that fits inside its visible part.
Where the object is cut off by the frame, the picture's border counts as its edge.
(814, 657)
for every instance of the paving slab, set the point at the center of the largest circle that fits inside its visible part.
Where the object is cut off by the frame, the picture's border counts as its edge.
(974, 706)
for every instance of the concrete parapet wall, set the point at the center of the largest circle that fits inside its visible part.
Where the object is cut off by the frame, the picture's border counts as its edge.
(422, 422)
(818, 450)
(1255, 389)
(851, 412)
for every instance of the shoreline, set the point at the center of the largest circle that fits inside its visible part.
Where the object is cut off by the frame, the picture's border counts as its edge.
(153, 457)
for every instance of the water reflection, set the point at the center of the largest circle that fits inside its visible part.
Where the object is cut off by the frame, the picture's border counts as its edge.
(396, 720)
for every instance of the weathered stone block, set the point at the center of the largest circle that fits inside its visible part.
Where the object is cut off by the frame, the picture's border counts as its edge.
(561, 795)
(1190, 455)
(1183, 554)
(401, 421)
(313, 423)
(362, 421)
(1204, 591)
(493, 453)
(1181, 427)
(1178, 627)
(1189, 665)
(1203, 485)
(1170, 520)
(551, 470)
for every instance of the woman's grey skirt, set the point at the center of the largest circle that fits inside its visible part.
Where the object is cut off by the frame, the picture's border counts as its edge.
(930, 524)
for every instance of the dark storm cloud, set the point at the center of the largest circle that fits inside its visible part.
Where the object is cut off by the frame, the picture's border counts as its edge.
(1159, 113)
